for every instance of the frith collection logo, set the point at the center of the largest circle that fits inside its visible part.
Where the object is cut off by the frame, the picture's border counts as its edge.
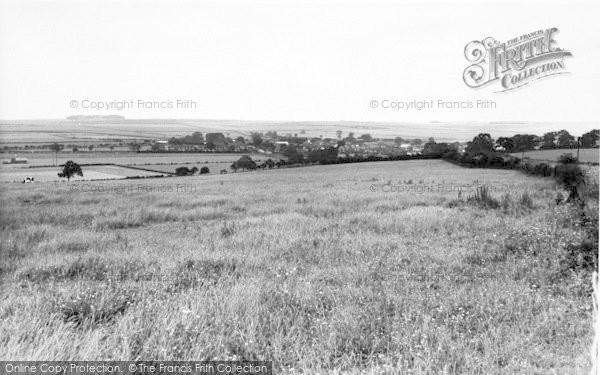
(515, 63)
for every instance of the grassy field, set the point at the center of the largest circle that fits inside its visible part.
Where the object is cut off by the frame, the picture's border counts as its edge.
(359, 268)
(587, 155)
(130, 158)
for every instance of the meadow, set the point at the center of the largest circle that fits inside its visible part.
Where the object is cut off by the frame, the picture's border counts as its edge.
(376, 268)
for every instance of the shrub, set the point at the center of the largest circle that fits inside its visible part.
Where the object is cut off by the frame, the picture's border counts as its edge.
(227, 230)
(95, 307)
(572, 177)
(483, 198)
(582, 256)
(567, 159)
(526, 201)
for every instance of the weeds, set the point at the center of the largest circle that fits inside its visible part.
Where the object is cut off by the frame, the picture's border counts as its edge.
(95, 307)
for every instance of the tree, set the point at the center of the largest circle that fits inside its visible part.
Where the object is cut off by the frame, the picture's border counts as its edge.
(134, 147)
(75, 149)
(196, 138)
(431, 140)
(215, 137)
(482, 143)
(70, 169)
(416, 142)
(292, 155)
(204, 170)
(90, 147)
(590, 138)
(506, 143)
(523, 142)
(435, 149)
(185, 171)
(112, 147)
(366, 137)
(256, 138)
(338, 133)
(565, 140)
(243, 163)
(240, 139)
(398, 140)
(55, 147)
(549, 140)
(351, 135)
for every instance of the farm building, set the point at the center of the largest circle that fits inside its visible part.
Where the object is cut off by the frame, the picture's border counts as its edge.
(162, 145)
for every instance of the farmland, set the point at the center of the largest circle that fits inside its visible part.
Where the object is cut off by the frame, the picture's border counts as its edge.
(143, 164)
(91, 131)
(96, 172)
(371, 266)
(130, 158)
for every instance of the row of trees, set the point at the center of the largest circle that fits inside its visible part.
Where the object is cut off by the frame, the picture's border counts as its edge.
(550, 140)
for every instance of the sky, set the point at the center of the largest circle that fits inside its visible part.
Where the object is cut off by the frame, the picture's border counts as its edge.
(287, 60)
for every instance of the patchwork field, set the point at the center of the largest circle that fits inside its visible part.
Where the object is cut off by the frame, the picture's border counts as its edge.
(358, 268)
(128, 158)
(96, 172)
(146, 165)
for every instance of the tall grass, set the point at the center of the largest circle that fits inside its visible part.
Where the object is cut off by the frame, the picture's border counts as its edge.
(309, 269)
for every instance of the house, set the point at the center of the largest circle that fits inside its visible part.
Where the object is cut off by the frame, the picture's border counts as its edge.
(162, 145)
(280, 145)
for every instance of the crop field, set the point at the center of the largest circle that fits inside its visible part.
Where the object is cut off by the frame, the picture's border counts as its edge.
(96, 172)
(586, 155)
(84, 132)
(358, 268)
(129, 158)
(146, 165)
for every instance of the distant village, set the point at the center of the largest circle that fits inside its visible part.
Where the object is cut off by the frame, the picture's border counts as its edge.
(273, 143)
(301, 146)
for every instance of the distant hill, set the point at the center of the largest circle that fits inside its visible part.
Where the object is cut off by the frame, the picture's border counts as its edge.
(96, 118)
(85, 129)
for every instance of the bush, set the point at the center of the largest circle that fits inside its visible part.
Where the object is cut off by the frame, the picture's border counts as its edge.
(526, 201)
(483, 199)
(567, 159)
(572, 177)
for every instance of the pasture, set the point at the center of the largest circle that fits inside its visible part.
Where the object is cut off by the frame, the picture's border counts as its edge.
(145, 164)
(95, 172)
(130, 158)
(358, 268)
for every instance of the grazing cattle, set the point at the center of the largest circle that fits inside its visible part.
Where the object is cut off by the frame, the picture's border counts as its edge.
(28, 180)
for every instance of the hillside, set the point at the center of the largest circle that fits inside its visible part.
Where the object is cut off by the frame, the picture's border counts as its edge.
(382, 267)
